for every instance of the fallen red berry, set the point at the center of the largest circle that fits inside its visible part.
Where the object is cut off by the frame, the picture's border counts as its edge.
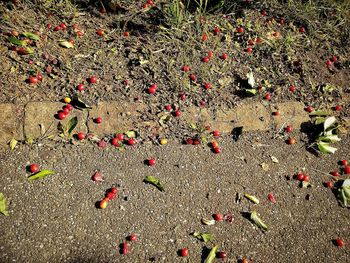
(204, 37)
(92, 79)
(186, 68)
(189, 141)
(344, 162)
(239, 30)
(263, 13)
(205, 59)
(300, 177)
(217, 150)
(338, 108)
(306, 178)
(66, 110)
(216, 30)
(302, 29)
(98, 120)
(33, 168)
(97, 177)
(329, 184)
(216, 133)
(271, 198)
(334, 59)
(335, 173)
(292, 88)
(168, 107)
(193, 77)
(184, 252)
(120, 136)
(218, 217)
(210, 54)
(63, 26)
(57, 28)
(132, 237)
(39, 76)
(309, 109)
(100, 32)
(288, 129)
(182, 96)
(81, 136)
(207, 86)
(115, 142)
(221, 255)
(328, 63)
(126, 34)
(267, 96)
(282, 21)
(61, 115)
(249, 50)
(114, 190)
(33, 80)
(339, 242)
(196, 142)
(110, 195)
(151, 162)
(347, 169)
(132, 141)
(177, 113)
(276, 113)
(291, 141)
(80, 87)
(223, 56)
(152, 90)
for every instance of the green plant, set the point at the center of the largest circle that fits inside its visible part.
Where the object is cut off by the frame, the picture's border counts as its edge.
(65, 131)
(328, 134)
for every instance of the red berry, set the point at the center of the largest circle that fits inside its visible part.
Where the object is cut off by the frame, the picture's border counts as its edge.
(207, 86)
(33, 80)
(100, 32)
(39, 76)
(66, 110)
(216, 30)
(344, 162)
(193, 77)
(334, 59)
(115, 142)
(125, 248)
(338, 108)
(276, 113)
(221, 255)
(57, 28)
(182, 96)
(110, 195)
(302, 29)
(196, 142)
(292, 88)
(177, 113)
(223, 56)
(132, 237)
(291, 141)
(335, 173)
(258, 40)
(205, 59)
(240, 30)
(184, 252)
(210, 54)
(249, 50)
(306, 178)
(216, 133)
(328, 63)
(300, 177)
(81, 136)
(282, 21)
(288, 129)
(347, 169)
(92, 79)
(48, 26)
(271, 198)
(309, 109)
(168, 107)
(186, 68)
(339, 242)
(217, 150)
(126, 34)
(120, 136)
(250, 42)
(267, 96)
(204, 37)
(69, 107)
(80, 87)
(189, 141)
(33, 168)
(61, 115)
(151, 162)
(63, 26)
(98, 120)
(329, 184)
(114, 190)
(131, 141)
(151, 90)
(263, 13)
(218, 217)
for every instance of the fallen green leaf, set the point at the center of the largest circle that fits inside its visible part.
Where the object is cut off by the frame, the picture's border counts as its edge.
(325, 148)
(344, 193)
(30, 35)
(79, 104)
(13, 143)
(251, 80)
(15, 41)
(72, 123)
(3, 205)
(212, 255)
(40, 174)
(66, 44)
(155, 181)
(329, 122)
(208, 222)
(254, 217)
(318, 113)
(206, 237)
(252, 198)
(251, 91)
(131, 134)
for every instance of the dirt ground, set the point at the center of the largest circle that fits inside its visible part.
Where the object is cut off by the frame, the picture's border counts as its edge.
(55, 219)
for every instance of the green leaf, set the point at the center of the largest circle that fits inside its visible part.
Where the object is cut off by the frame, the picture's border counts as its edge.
(319, 120)
(13, 143)
(40, 174)
(254, 217)
(193, 126)
(3, 205)
(251, 91)
(16, 41)
(31, 35)
(66, 44)
(79, 104)
(318, 113)
(329, 122)
(155, 181)
(325, 148)
(212, 255)
(206, 237)
(71, 125)
(252, 198)
(251, 80)
(330, 138)
(208, 222)
(131, 134)
(344, 193)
